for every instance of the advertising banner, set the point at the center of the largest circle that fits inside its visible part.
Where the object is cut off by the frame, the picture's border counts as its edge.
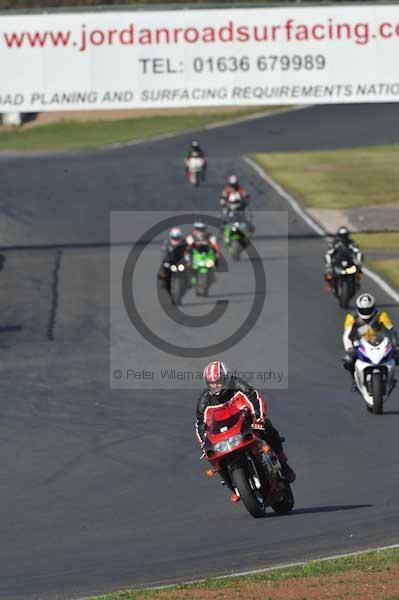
(198, 57)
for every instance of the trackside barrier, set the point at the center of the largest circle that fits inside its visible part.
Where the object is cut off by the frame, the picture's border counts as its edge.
(199, 57)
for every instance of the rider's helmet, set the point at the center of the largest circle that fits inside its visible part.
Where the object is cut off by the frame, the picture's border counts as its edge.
(175, 236)
(195, 145)
(199, 232)
(343, 235)
(366, 308)
(216, 376)
(233, 182)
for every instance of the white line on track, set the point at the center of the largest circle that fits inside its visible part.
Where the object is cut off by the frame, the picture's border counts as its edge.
(388, 289)
(258, 571)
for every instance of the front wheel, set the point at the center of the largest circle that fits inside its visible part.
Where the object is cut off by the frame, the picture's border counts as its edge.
(203, 283)
(249, 493)
(377, 387)
(177, 289)
(344, 293)
(235, 249)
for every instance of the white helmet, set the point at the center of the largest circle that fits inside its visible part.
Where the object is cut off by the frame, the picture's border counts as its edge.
(366, 306)
(233, 181)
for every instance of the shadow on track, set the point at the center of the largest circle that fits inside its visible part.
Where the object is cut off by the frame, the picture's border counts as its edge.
(328, 509)
(9, 328)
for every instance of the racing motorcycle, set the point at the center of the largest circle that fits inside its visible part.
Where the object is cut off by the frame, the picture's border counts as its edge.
(173, 276)
(236, 235)
(345, 277)
(245, 462)
(375, 369)
(203, 260)
(195, 169)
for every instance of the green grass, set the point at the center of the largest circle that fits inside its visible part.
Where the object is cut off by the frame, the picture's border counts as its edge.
(368, 562)
(388, 268)
(72, 135)
(338, 178)
(378, 241)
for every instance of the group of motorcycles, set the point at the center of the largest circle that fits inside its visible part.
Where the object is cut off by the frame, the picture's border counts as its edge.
(234, 448)
(374, 370)
(178, 274)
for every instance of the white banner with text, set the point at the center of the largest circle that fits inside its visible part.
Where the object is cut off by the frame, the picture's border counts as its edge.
(181, 58)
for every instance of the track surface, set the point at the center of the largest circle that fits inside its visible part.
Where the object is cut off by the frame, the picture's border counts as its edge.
(98, 490)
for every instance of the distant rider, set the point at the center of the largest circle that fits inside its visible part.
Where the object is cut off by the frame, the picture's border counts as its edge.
(341, 241)
(195, 151)
(355, 326)
(221, 387)
(234, 197)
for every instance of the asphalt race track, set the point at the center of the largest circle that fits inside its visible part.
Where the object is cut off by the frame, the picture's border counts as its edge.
(100, 488)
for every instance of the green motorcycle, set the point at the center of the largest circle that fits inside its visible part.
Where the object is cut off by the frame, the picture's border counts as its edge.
(236, 237)
(203, 269)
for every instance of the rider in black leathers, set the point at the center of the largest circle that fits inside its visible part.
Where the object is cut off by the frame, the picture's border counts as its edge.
(341, 242)
(173, 251)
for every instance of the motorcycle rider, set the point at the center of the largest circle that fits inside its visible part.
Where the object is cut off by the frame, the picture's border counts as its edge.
(234, 197)
(201, 236)
(355, 326)
(195, 151)
(341, 240)
(221, 386)
(173, 251)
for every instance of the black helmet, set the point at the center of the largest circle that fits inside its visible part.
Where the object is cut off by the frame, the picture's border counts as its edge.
(195, 145)
(343, 235)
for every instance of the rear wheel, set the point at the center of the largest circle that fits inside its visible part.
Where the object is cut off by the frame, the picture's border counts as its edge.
(196, 179)
(249, 493)
(377, 386)
(287, 503)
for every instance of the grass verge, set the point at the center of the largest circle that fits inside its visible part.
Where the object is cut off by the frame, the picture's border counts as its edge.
(388, 268)
(337, 178)
(72, 135)
(378, 241)
(369, 575)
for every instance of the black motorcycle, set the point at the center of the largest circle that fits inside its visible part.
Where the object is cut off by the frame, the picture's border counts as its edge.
(173, 278)
(345, 277)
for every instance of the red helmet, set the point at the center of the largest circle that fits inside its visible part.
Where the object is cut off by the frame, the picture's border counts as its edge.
(215, 376)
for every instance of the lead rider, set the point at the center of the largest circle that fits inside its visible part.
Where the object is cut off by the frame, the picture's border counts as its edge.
(221, 387)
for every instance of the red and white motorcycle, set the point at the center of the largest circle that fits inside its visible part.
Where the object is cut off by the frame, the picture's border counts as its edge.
(195, 166)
